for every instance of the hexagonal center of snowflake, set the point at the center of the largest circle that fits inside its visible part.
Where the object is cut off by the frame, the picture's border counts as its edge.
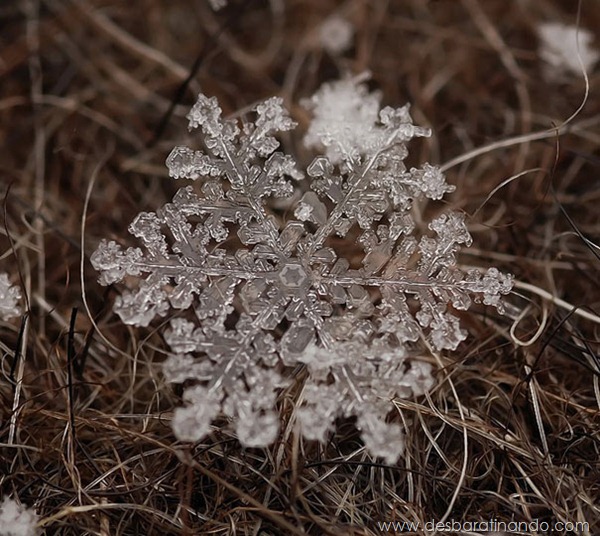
(293, 275)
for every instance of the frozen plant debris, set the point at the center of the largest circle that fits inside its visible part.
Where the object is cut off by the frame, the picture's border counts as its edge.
(559, 50)
(16, 520)
(335, 35)
(9, 298)
(255, 296)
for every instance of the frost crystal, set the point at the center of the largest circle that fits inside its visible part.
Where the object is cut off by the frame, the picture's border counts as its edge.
(255, 296)
(9, 298)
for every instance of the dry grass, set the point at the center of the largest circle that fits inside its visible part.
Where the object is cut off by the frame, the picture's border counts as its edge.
(512, 429)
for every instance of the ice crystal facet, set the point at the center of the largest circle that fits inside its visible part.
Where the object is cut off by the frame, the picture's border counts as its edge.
(255, 296)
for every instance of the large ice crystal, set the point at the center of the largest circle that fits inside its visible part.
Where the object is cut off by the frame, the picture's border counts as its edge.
(255, 295)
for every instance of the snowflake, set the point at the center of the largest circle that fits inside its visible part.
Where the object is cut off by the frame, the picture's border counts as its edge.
(335, 35)
(9, 298)
(562, 46)
(216, 5)
(255, 295)
(16, 520)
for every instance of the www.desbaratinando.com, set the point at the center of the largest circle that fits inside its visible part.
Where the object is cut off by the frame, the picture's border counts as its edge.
(485, 526)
